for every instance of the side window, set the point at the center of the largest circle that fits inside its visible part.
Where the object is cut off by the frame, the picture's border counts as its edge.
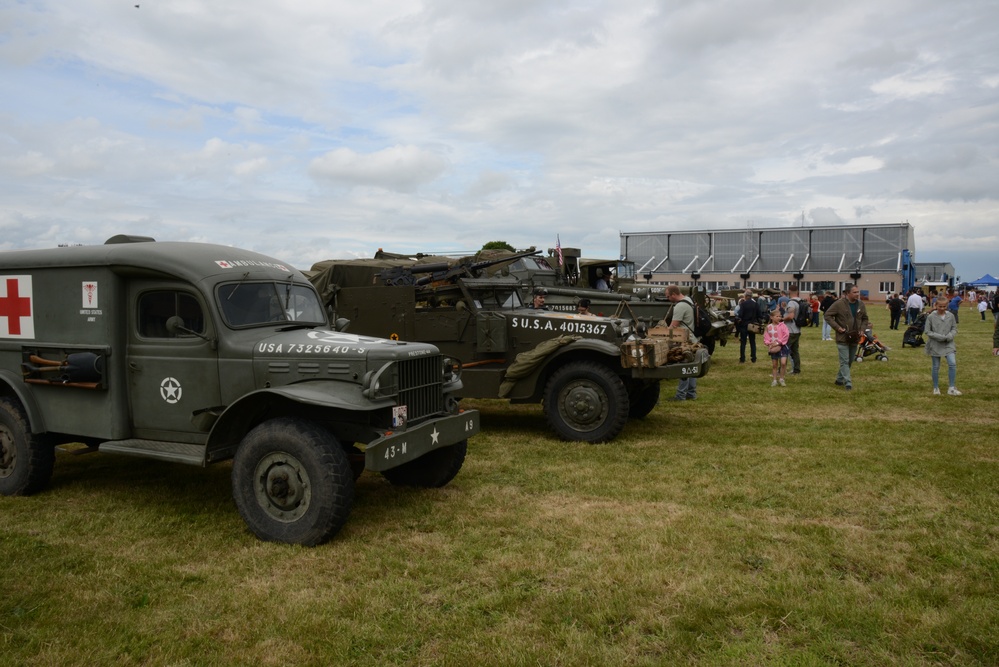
(155, 308)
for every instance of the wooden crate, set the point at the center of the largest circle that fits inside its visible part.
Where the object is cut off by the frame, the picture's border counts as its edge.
(647, 353)
(673, 334)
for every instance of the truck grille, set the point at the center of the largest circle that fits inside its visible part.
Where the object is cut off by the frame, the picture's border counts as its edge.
(421, 386)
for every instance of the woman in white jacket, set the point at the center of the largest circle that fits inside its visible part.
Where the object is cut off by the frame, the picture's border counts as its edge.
(940, 329)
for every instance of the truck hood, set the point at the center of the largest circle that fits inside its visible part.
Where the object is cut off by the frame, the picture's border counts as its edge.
(324, 345)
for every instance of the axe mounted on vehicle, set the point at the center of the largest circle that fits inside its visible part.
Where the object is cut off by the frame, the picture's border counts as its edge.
(75, 367)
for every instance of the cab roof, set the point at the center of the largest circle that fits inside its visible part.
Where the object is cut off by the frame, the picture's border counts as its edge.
(189, 261)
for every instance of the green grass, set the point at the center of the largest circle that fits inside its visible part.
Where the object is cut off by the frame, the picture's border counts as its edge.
(782, 526)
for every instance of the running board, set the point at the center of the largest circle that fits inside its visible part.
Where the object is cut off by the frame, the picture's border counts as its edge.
(175, 452)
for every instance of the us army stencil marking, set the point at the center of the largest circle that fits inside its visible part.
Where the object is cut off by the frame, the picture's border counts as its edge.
(170, 390)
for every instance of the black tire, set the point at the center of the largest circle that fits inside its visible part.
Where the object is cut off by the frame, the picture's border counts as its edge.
(432, 470)
(356, 458)
(586, 401)
(642, 399)
(292, 482)
(26, 460)
(710, 344)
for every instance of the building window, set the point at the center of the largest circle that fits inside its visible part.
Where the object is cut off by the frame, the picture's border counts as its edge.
(887, 288)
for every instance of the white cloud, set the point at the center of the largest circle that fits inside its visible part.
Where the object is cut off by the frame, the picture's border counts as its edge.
(402, 168)
(443, 122)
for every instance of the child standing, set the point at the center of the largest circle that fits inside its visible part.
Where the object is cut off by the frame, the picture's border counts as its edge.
(775, 338)
(940, 329)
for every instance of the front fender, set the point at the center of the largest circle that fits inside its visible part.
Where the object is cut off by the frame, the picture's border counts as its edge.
(239, 417)
(530, 386)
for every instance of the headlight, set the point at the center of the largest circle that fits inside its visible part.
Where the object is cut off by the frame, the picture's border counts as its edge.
(452, 370)
(371, 384)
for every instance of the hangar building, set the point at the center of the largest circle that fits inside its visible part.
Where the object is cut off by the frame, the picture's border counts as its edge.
(879, 258)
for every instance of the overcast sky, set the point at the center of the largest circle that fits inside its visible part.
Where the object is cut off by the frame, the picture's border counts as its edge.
(313, 129)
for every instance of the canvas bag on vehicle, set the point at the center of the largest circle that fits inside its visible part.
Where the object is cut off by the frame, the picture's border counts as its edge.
(702, 322)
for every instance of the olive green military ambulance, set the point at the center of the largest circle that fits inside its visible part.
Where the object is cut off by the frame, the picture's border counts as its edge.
(197, 353)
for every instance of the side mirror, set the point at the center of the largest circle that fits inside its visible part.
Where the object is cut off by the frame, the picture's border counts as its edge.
(175, 325)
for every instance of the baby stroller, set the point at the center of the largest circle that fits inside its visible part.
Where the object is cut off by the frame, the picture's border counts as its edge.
(913, 335)
(869, 345)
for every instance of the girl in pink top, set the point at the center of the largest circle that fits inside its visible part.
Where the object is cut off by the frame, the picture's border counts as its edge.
(775, 338)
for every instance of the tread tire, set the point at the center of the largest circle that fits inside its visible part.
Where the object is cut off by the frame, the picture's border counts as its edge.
(587, 401)
(643, 400)
(26, 459)
(432, 470)
(284, 459)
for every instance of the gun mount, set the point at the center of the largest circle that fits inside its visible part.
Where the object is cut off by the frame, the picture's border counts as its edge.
(428, 274)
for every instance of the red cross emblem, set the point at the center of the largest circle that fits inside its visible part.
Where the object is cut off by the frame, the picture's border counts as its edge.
(15, 306)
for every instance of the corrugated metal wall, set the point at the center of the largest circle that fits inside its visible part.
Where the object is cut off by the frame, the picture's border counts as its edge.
(781, 249)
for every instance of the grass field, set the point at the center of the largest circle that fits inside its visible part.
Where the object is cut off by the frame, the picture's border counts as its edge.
(780, 526)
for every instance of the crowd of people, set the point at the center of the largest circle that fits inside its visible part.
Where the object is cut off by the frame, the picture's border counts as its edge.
(844, 318)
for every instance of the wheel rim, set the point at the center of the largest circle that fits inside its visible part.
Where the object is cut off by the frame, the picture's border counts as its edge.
(8, 453)
(282, 487)
(583, 406)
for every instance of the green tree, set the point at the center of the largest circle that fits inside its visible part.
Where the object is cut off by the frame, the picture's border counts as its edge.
(498, 245)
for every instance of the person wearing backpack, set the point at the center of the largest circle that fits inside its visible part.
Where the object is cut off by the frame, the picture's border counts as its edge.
(683, 316)
(793, 311)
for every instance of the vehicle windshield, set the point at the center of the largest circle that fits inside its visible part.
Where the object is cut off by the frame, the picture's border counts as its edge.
(625, 270)
(246, 304)
(505, 297)
(531, 264)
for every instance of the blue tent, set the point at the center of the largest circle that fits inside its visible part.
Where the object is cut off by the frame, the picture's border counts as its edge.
(985, 281)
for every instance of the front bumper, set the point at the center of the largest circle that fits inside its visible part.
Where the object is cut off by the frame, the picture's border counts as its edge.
(395, 448)
(677, 370)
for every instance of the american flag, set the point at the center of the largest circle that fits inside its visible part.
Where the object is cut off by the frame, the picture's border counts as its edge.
(558, 250)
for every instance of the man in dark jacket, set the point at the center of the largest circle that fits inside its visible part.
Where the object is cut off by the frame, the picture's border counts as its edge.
(848, 318)
(895, 307)
(747, 313)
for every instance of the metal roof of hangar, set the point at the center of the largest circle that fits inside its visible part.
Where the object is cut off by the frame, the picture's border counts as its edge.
(831, 249)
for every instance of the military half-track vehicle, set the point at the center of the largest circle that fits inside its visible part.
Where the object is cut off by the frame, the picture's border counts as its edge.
(196, 353)
(573, 278)
(582, 369)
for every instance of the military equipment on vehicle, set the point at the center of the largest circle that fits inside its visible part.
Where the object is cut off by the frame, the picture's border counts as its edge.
(568, 277)
(590, 373)
(429, 273)
(197, 353)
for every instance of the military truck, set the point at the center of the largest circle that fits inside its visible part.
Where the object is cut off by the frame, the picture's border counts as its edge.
(196, 353)
(584, 370)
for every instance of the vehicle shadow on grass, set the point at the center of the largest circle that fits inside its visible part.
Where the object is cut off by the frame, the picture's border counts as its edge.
(165, 496)
(502, 417)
